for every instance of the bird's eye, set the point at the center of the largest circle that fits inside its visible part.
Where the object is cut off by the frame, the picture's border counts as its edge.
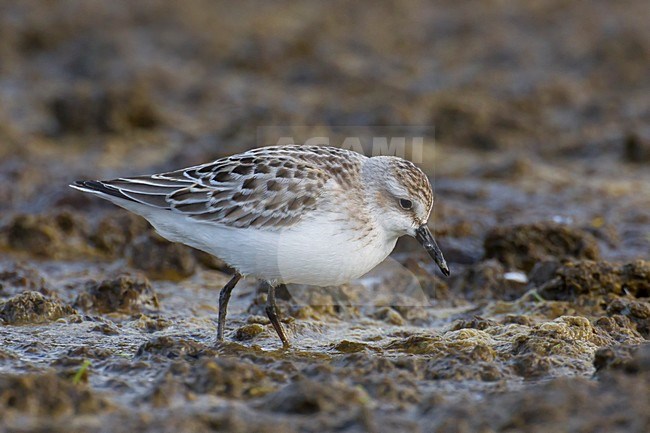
(405, 204)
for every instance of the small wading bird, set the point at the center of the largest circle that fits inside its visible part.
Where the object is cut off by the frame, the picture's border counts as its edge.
(287, 214)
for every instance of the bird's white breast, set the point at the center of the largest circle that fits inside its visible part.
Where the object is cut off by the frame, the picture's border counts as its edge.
(318, 251)
(322, 250)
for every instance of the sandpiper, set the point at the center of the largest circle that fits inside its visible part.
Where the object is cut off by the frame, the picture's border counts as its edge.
(313, 215)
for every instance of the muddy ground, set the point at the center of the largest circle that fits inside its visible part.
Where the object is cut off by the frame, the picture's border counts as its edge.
(541, 165)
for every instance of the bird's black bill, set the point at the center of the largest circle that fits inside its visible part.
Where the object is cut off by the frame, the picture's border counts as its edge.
(425, 238)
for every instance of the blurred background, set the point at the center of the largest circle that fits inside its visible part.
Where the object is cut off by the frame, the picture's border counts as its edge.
(126, 84)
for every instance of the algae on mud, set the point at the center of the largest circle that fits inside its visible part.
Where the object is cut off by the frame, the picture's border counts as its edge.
(540, 164)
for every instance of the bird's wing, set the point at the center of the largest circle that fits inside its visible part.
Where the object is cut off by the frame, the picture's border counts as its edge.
(264, 188)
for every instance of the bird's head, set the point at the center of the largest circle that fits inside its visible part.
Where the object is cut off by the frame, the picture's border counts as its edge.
(400, 193)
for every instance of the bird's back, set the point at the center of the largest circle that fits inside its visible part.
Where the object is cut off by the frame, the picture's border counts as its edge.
(269, 188)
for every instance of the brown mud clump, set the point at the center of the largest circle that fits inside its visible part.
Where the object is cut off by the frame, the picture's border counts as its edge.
(31, 308)
(623, 390)
(617, 290)
(626, 358)
(466, 122)
(162, 259)
(59, 236)
(16, 278)
(308, 397)
(123, 294)
(223, 377)
(171, 348)
(636, 148)
(46, 395)
(574, 279)
(116, 231)
(522, 246)
(86, 109)
(638, 312)
(249, 331)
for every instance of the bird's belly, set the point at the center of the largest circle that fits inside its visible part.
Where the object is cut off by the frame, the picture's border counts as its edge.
(317, 252)
(326, 259)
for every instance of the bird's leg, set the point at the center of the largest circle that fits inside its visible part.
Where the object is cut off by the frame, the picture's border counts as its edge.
(224, 297)
(272, 313)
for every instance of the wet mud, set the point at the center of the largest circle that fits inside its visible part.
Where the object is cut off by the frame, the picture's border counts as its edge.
(541, 167)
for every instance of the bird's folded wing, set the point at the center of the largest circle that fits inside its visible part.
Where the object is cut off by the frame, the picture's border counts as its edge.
(237, 191)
